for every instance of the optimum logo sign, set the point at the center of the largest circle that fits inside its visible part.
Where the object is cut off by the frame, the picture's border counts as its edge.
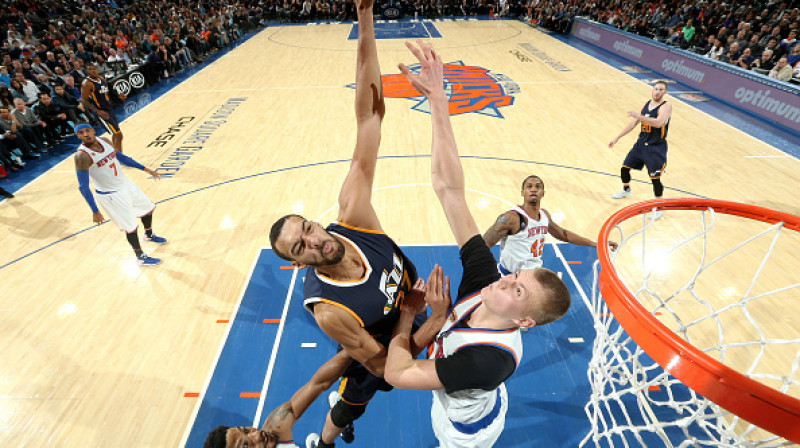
(469, 89)
(627, 48)
(589, 34)
(761, 99)
(677, 67)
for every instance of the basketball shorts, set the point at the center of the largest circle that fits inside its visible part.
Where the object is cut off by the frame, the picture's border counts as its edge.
(124, 206)
(654, 157)
(358, 385)
(111, 125)
(481, 434)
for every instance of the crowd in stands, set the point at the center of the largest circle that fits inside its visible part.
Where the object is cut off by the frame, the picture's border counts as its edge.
(46, 45)
(758, 35)
(750, 34)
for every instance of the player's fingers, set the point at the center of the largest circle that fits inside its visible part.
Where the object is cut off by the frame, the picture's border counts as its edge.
(447, 287)
(415, 51)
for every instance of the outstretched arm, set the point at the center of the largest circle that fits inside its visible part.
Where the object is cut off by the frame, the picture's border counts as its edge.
(569, 236)
(281, 419)
(446, 173)
(624, 132)
(355, 206)
(507, 224)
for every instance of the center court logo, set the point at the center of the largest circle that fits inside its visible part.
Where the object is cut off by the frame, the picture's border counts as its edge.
(469, 89)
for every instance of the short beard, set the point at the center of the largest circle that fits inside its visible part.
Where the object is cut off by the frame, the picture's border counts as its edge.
(337, 256)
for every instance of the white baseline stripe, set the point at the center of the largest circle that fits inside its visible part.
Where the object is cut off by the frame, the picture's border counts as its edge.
(274, 354)
(219, 353)
(572, 276)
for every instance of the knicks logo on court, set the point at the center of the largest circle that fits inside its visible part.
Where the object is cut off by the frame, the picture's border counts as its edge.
(468, 88)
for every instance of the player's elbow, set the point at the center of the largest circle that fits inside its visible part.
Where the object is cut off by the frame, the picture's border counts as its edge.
(393, 378)
(376, 368)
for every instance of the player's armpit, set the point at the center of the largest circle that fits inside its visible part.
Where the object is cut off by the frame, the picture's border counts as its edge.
(343, 328)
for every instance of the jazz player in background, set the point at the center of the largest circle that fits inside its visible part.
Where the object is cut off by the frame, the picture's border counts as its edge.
(95, 97)
(97, 159)
(650, 149)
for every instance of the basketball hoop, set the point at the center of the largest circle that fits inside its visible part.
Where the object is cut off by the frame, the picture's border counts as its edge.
(667, 330)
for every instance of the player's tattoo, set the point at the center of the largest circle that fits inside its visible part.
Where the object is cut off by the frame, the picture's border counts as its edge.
(279, 414)
(498, 230)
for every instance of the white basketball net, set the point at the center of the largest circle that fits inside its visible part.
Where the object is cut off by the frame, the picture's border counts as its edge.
(634, 401)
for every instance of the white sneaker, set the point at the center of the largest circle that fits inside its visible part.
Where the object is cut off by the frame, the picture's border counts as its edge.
(655, 214)
(622, 194)
(312, 441)
(333, 398)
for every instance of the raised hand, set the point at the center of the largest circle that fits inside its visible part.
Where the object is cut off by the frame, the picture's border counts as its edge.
(430, 80)
(437, 297)
(414, 301)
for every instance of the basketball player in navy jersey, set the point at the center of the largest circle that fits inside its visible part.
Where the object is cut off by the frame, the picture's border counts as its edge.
(650, 150)
(95, 97)
(521, 231)
(479, 346)
(97, 159)
(357, 277)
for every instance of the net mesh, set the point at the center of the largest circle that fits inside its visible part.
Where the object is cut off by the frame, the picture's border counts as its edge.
(723, 284)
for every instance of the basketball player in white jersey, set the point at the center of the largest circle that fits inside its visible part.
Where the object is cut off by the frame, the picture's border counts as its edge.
(521, 231)
(479, 346)
(277, 429)
(97, 159)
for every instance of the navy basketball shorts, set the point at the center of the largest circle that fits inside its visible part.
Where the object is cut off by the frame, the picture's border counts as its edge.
(654, 157)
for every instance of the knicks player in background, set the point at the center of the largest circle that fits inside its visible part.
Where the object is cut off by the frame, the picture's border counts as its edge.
(95, 96)
(97, 159)
(479, 346)
(650, 149)
(357, 277)
(521, 231)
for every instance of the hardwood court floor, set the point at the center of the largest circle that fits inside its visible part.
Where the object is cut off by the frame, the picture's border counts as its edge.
(100, 352)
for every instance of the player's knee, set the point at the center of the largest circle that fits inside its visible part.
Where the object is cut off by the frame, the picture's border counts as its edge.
(625, 174)
(658, 188)
(344, 413)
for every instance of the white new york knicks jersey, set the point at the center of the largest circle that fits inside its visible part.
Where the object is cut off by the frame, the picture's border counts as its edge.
(470, 405)
(523, 250)
(106, 170)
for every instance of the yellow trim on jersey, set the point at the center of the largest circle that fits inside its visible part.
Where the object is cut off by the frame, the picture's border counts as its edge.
(330, 302)
(379, 232)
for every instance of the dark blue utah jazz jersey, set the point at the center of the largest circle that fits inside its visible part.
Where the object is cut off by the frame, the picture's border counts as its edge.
(373, 300)
(649, 134)
(100, 94)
